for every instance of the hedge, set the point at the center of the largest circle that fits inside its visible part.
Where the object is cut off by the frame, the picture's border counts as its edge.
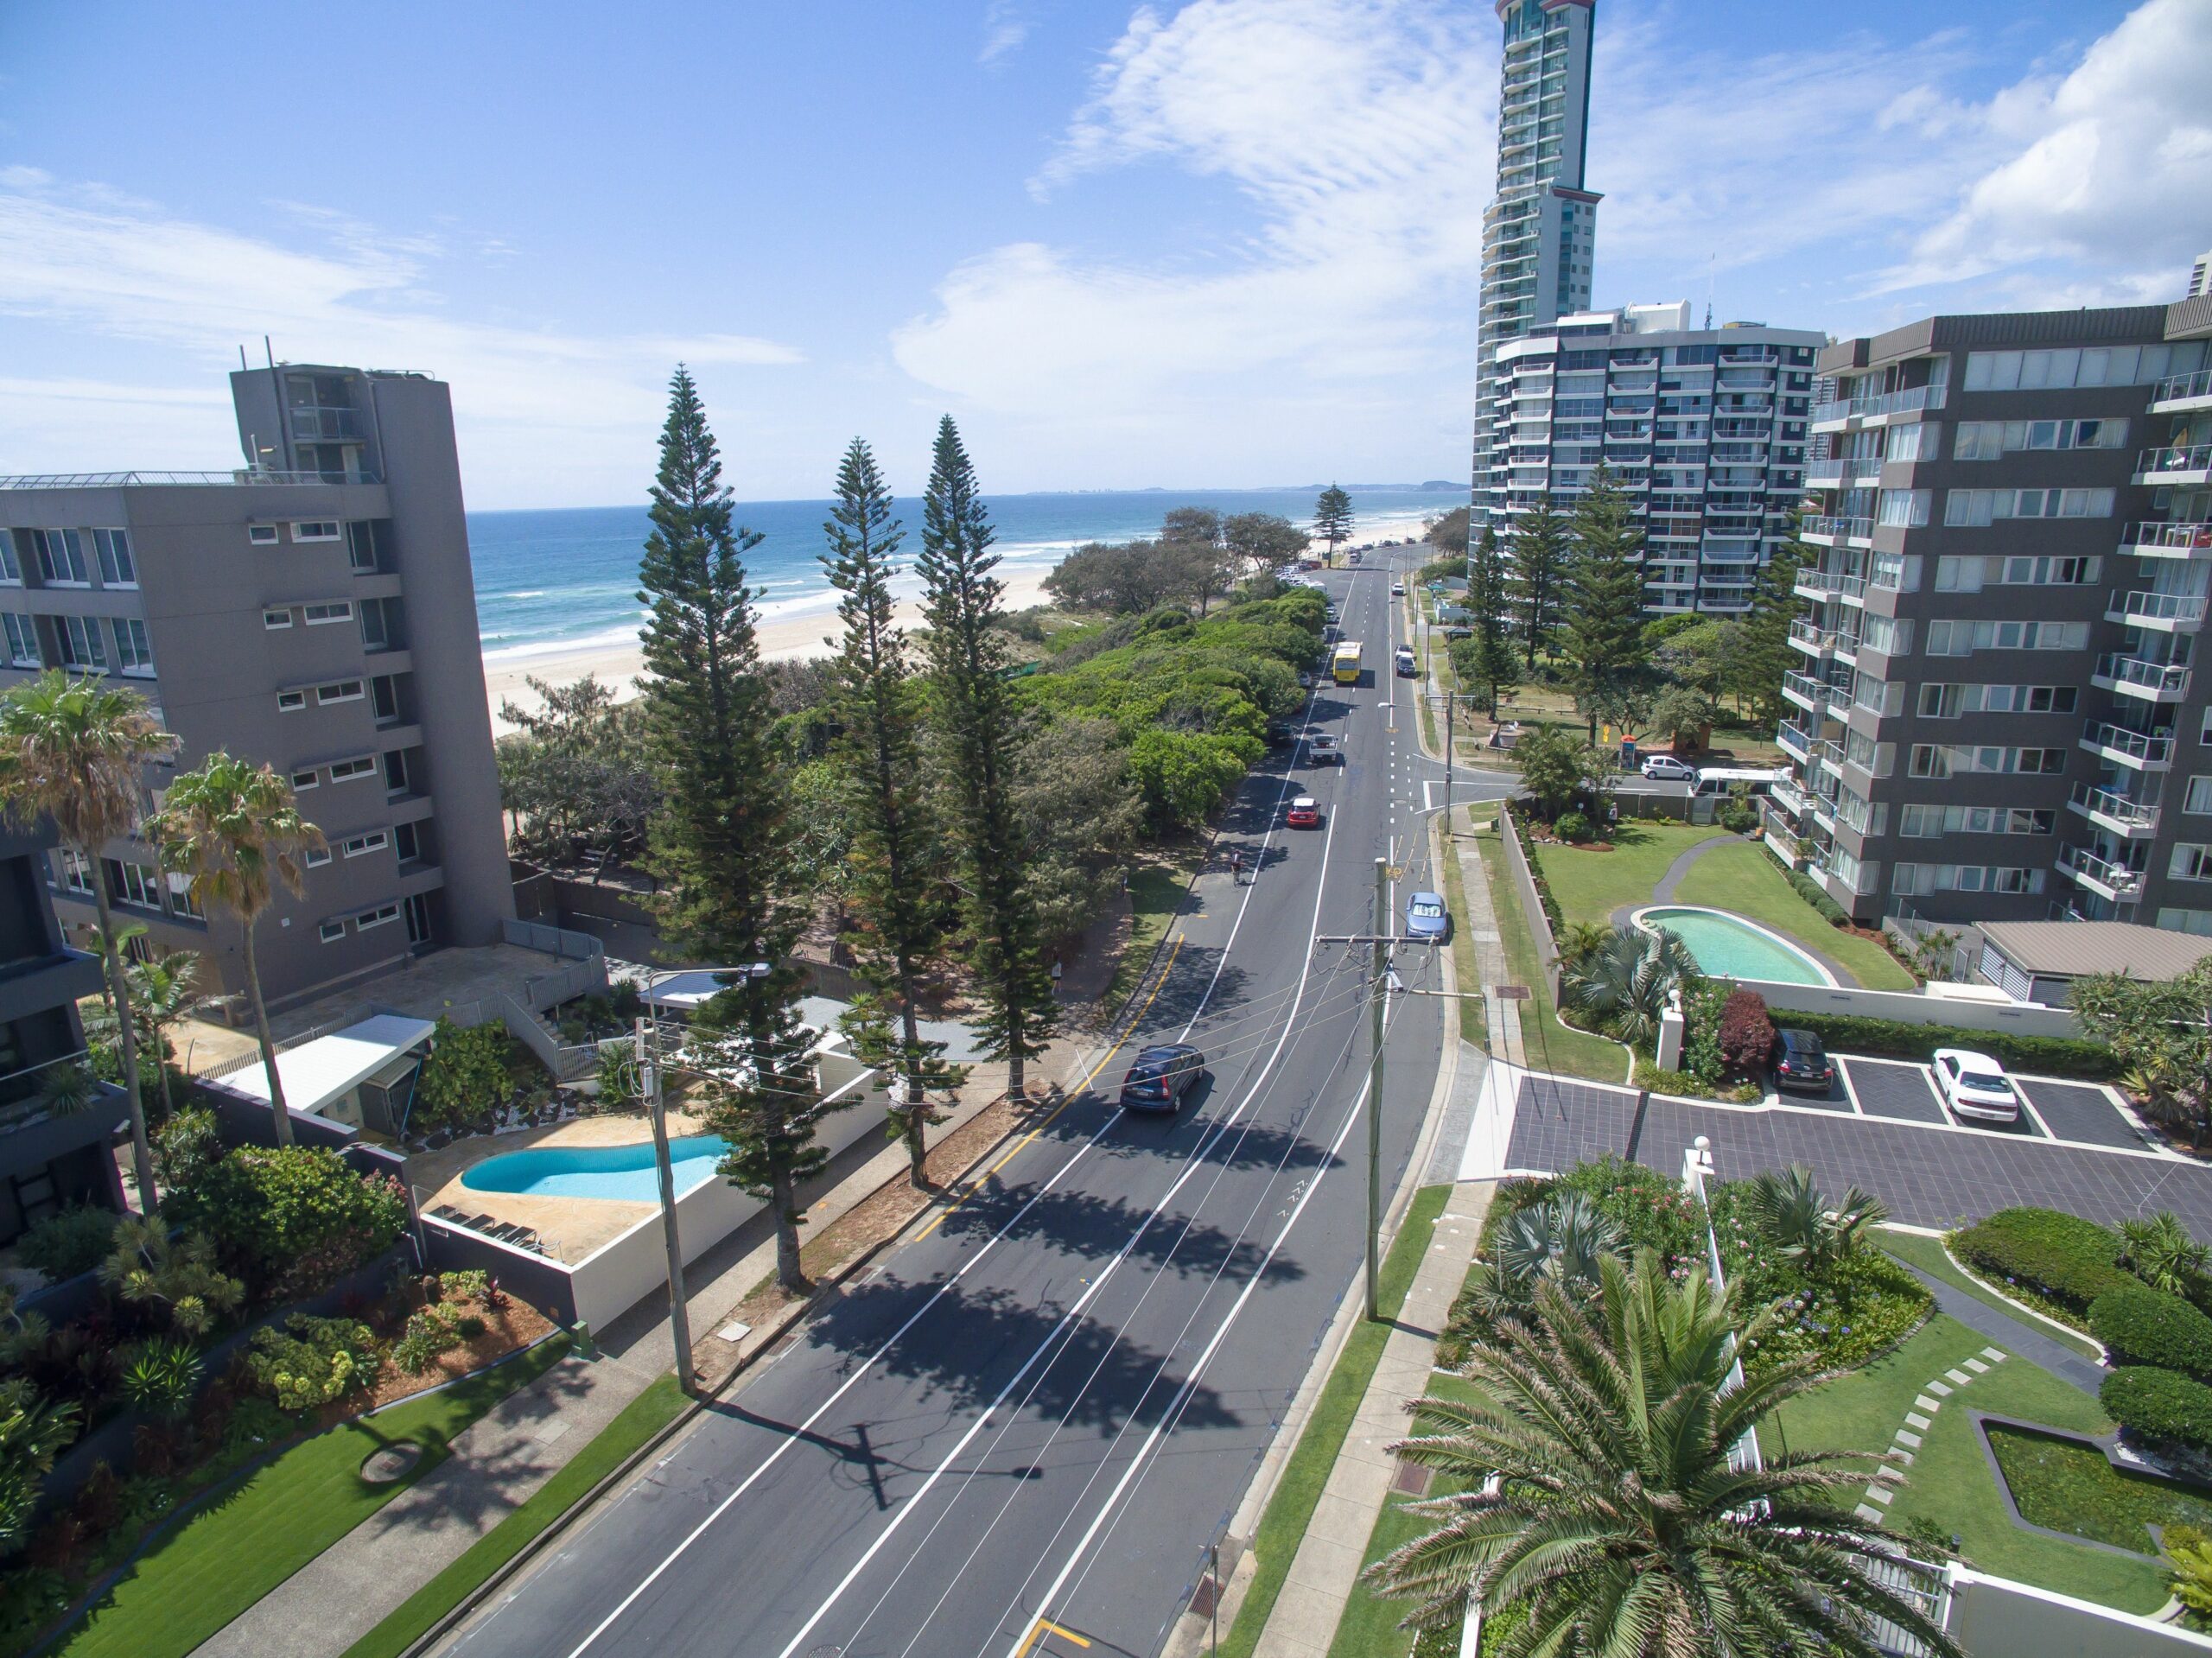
(2146, 1326)
(1817, 895)
(2050, 1056)
(2062, 1257)
(2159, 1404)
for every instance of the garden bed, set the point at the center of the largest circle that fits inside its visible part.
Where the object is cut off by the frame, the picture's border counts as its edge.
(2065, 1484)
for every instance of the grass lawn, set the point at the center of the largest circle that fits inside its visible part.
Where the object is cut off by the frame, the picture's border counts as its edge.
(1590, 885)
(1548, 1045)
(1740, 876)
(2070, 1486)
(1290, 1509)
(1464, 964)
(1949, 1482)
(239, 1545)
(1156, 893)
(639, 1419)
(1928, 1254)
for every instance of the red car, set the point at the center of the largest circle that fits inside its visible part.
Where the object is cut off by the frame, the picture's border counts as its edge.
(1304, 813)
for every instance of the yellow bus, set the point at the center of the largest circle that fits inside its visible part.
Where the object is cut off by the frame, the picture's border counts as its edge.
(1344, 664)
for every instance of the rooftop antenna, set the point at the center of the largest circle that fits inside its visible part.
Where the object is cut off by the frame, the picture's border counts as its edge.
(270, 351)
(241, 359)
(1712, 267)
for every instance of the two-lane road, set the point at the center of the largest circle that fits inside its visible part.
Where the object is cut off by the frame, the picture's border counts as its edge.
(1020, 1433)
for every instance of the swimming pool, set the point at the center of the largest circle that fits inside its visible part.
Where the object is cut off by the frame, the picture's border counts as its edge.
(624, 1171)
(1728, 947)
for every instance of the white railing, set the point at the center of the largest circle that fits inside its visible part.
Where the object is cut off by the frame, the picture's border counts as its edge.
(144, 479)
(1882, 403)
(2176, 387)
(2116, 878)
(2156, 538)
(2137, 746)
(2110, 802)
(2160, 679)
(1827, 524)
(2175, 457)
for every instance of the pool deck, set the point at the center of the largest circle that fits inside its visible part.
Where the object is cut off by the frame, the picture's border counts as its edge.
(571, 1227)
(1663, 891)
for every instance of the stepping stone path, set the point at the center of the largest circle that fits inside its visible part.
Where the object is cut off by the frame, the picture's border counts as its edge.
(1917, 1420)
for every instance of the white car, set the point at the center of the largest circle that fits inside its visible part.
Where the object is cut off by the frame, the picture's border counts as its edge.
(1974, 1085)
(1666, 768)
(1397, 589)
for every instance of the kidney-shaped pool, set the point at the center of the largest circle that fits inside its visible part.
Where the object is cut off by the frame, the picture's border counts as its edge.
(623, 1172)
(1728, 947)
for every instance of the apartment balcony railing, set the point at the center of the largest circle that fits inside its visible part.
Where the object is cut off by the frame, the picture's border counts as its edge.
(2158, 682)
(1826, 529)
(1791, 798)
(1828, 752)
(2172, 612)
(1846, 647)
(2145, 750)
(241, 475)
(1818, 584)
(1809, 636)
(2102, 875)
(2156, 538)
(2109, 809)
(1840, 472)
(1790, 738)
(1882, 402)
(2177, 463)
(1803, 690)
(2181, 392)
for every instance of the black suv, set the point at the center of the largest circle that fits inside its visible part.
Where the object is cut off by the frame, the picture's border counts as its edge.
(1802, 1064)
(1159, 1077)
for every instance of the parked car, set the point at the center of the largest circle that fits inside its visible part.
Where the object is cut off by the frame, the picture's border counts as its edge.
(1333, 612)
(1974, 1085)
(1665, 768)
(1323, 750)
(1459, 633)
(1801, 1063)
(1280, 734)
(1159, 1076)
(1305, 813)
(1427, 917)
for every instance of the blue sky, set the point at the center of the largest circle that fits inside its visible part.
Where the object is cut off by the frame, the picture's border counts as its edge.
(1226, 243)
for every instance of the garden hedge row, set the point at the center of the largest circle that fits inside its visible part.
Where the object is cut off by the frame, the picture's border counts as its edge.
(2141, 1326)
(2159, 1404)
(1817, 895)
(2048, 1056)
(2068, 1259)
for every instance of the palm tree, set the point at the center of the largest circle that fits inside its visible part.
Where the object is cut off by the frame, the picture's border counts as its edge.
(233, 828)
(2159, 1250)
(1626, 982)
(164, 990)
(1580, 940)
(1603, 1497)
(1794, 1215)
(75, 751)
(1563, 1238)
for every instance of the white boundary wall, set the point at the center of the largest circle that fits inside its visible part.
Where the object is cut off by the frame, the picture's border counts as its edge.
(1910, 1007)
(1996, 1617)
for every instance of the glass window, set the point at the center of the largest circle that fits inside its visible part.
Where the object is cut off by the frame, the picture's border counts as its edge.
(316, 529)
(134, 652)
(377, 917)
(23, 640)
(1904, 508)
(2191, 862)
(117, 568)
(361, 546)
(302, 781)
(79, 638)
(291, 701)
(315, 857)
(323, 615)
(261, 535)
(61, 558)
(273, 620)
(346, 771)
(11, 568)
(2198, 796)
(331, 931)
(343, 690)
(76, 872)
(361, 845)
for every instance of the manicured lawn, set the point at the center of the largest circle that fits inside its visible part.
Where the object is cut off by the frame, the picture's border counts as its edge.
(1928, 1254)
(1156, 893)
(1548, 1045)
(1740, 876)
(2070, 1486)
(1463, 948)
(639, 1419)
(231, 1553)
(1290, 1509)
(1949, 1482)
(1589, 885)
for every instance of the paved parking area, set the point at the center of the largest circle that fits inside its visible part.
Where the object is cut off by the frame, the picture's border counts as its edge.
(1891, 1087)
(2081, 1111)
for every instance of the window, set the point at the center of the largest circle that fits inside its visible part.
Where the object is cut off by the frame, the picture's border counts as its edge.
(2196, 921)
(2010, 371)
(302, 781)
(134, 883)
(376, 625)
(331, 931)
(23, 640)
(377, 917)
(406, 842)
(386, 702)
(339, 690)
(1911, 878)
(1928, 819)
(76, 872)
(324, 615)
(361, 845)
(79, 638)
(273, 620)
(315, 857)
(1938, 760)
(11, 569)
(361, 547)
(134, 652)
(346, 771)
(395, 772)
(1959, 639)
(1985, 439)
(261, 535)
(1887, 635)
(1904, 508)
(61, 558)
(1941, 701)
(182, 902)
(1970, 507)
(2205, 735)
(1971, 574)
(2197, 797)
(117, 568)
(2191, 862)
(316, 529)
(418, 919)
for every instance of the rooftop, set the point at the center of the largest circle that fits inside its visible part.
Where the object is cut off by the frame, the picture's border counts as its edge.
(2069, 949)
(236, 475)
(327, 1069)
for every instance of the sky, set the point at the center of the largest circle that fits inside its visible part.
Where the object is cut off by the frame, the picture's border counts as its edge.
(1226, 243)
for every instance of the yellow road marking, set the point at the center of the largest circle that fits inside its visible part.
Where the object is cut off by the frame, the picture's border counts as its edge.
(1045, 1626)
(976, 1185)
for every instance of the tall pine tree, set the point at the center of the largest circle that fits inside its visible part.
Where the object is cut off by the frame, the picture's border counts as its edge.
(895, 859)
(1605, 640)
(1333, 519)
(1535, 576)
(981, 728)
(719, 843)
(1488, 653)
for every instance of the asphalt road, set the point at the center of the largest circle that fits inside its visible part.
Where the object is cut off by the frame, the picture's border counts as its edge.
(1021, 1432)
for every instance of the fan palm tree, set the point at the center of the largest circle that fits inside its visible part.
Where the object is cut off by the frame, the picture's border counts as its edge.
(75, 751)
(1563, 1239)
(164, 990)
(233, 830)
(1604, 1501)
(1626, 982)
(1794, 1215)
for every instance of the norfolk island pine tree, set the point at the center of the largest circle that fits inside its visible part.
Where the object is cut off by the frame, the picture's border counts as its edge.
(1535, 574)
(1606, 643)
(1333, 519)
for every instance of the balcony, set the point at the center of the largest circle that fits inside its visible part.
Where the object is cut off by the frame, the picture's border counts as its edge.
(2113, 811)
(1825, 530)
(2159, 539)
(2184, 394)
(1804, 690)
(1793, 741)
(1791, 798)
(1839, 472)
(2142, 750)
(313, 425)
(1846, 648)
(2115, 882)
(1812, 638)
(1837, 415)
(1829, 754)
(2177, 463)
(2153, 682)
(2166, 612)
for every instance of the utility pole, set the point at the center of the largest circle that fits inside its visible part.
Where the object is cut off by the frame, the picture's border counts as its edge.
(1450, 703)
(679, 1318)
(1378, 995)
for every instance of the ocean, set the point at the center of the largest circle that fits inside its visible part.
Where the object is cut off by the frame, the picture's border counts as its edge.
(567, 580)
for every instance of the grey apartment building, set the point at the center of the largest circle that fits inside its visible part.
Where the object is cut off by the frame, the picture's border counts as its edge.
(312, 609)
(1999, 714)
(1706, 428)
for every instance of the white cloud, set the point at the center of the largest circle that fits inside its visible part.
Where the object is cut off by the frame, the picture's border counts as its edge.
(1007, 24)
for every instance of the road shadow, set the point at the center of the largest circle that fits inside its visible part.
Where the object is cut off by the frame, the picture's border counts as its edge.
(1092, 1229)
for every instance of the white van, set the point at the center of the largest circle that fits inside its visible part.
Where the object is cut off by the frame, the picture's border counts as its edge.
(1723, 780)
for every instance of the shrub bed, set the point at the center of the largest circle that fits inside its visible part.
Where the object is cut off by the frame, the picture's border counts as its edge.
(1864, 1304)
(2053, 1056)
(2141, 1326)
(2159, 1404)
(2062, 1262)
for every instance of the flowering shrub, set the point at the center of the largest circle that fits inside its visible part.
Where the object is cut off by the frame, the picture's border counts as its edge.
(1747, 1033)
(313, 1361)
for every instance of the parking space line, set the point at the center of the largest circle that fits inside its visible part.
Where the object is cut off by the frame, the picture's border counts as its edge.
(2029, 1105)
(1849, 1092)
